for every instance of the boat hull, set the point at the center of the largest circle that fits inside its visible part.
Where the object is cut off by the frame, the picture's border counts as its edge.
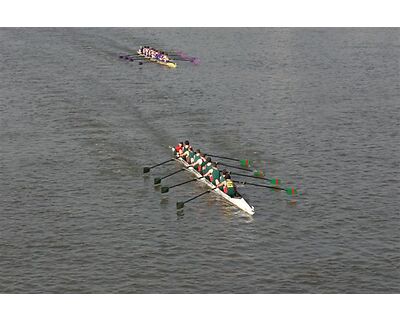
(167, 64)
(241, 203)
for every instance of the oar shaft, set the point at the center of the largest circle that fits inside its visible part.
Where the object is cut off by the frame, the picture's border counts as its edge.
(221, 157)
(259, 185)
(161, 163)
(199, 195)
(245, 175)
(182, 183)
(147, 169)
(239, 168)
(168, 175)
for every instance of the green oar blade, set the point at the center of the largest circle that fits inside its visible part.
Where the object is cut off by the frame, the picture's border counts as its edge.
(275, 182)
(146, 169)
(164, 189)
(157, 180)
(245, 163)
(258, 173)
(180, 205)
(291, 191)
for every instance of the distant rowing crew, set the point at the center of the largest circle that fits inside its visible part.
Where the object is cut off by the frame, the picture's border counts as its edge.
(154, 54)
(209, 169)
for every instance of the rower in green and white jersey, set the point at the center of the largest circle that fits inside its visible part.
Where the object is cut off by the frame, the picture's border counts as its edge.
(188, 155)
(206, 166)
(199, 161)
(213, 174)
(222, 178)
(196, 156)
(185, 150)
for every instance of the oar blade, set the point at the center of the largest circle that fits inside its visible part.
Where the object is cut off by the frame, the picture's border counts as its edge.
(157, 181)
(180, 205)
(164, 189)
(275, 182)
(258, 173)
(146, 169)
(291, 191)
(245, 163)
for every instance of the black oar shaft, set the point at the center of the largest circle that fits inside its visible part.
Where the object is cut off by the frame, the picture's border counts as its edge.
(239, 168)
(179, 184)
(221, 157)
(182, 183)
(199, 195)
(171, 174)
(245, 175)
(259, 185)
(161, 163)
(147, 169)
(166, 189)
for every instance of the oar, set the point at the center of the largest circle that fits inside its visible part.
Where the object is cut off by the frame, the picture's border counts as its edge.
(194, 61)
(133, 58)
(128, 57)
(185, 57)
(181, 54)
(272, 181)
(243, 162)
(158, 180)
(166, 189)
(258, 173)
(147, 169)
(289, 191)
(180, 205)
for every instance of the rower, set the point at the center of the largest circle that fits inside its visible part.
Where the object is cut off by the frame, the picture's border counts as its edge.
(213, 174)
(222, 178)
(229, 187)
(185, 150)
(186, 145)
(199, 161)
(206, 166)
(196, 157)
(192, 155)
(188, 154)
(161, 56)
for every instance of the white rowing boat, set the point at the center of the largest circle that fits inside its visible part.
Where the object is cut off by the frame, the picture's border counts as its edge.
(241, 203)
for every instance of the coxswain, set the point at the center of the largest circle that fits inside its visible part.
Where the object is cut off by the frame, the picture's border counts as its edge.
(228, 186)
(178, 149)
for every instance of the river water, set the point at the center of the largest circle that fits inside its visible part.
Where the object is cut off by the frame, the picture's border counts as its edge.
(317, 108)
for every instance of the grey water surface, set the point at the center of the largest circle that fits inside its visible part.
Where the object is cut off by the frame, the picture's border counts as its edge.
(317, 108)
